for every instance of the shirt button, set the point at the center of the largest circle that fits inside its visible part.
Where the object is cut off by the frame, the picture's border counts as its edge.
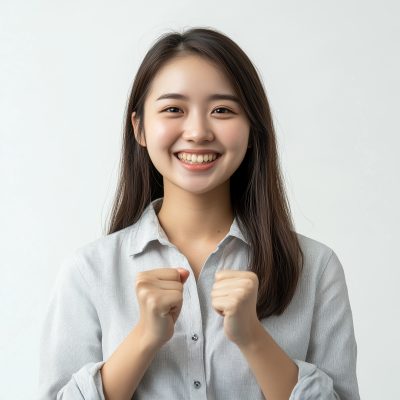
(197, 384)
(195, 337)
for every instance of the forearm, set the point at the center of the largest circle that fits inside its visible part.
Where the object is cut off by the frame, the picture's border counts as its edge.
(125, 368)
(275, 372)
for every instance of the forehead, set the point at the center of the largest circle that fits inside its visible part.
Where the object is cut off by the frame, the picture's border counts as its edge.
(192, 75)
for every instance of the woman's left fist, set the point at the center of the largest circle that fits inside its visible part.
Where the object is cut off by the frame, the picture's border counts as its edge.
(234, 296)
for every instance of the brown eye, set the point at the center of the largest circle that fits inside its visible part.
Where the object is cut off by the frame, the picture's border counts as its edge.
(222, 110)
(172, 109)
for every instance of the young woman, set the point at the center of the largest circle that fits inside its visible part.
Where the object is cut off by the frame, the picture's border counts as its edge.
(201, 289)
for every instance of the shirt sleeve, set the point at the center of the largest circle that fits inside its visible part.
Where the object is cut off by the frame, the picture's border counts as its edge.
(329, 372)
(70, 344)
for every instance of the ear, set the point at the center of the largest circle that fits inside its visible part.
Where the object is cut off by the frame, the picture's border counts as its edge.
(135, 124)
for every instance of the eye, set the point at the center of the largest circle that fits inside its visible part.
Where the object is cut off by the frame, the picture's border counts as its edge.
(222, 110)
(172, 109)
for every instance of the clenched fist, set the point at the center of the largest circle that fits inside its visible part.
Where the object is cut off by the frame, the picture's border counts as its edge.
(159, 293)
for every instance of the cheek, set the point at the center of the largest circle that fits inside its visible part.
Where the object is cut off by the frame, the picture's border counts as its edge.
(234, 138)
(160, 136)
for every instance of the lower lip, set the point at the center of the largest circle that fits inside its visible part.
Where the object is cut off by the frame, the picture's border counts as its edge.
(198, 167)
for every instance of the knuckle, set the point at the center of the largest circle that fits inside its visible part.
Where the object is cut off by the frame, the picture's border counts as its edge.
(140, 275)
(144, 294)
(152, 302)
(241, 294)
(254, 276)
(235, 303)
(248, 283)
(141, 283)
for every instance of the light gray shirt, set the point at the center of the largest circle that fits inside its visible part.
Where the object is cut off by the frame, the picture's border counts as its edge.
(93, 307)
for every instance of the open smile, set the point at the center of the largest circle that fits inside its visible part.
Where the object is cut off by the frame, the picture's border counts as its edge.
(195, 158)
(196, 161)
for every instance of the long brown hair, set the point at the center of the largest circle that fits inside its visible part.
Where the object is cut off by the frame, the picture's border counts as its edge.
(257, 192)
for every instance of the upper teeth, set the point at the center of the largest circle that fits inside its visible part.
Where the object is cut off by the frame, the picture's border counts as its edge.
(197, 158)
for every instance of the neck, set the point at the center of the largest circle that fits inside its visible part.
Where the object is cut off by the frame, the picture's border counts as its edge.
(200, 218)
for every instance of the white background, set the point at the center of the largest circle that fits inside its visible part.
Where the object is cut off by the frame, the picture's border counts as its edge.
(331, 70)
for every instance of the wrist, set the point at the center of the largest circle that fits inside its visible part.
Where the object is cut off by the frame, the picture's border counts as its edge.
(255, 340)
(147, 344)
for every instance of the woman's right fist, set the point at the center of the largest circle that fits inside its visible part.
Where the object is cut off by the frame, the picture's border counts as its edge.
(159, 293)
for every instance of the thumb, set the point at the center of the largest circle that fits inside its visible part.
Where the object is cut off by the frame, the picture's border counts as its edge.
(184, 273)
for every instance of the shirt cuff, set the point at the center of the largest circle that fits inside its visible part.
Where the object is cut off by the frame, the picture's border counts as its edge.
(87, 381)
(313, 384)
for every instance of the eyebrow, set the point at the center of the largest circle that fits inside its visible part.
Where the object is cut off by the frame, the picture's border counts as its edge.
(178, 96)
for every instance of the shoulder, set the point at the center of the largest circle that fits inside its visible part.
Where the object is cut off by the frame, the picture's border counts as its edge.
(108, 245)
(316, 256)
(103, 256)
(322, 270)
(313, 248)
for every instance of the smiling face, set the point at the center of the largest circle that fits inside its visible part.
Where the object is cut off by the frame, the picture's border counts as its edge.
(196, 133)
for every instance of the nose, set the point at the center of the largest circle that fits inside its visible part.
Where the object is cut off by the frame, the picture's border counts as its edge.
(197, 129)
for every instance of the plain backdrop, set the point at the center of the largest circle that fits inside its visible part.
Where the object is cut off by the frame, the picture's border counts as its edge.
(331, 70)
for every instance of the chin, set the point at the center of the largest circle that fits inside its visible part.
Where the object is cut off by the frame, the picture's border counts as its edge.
(196, 189)
(200, 191)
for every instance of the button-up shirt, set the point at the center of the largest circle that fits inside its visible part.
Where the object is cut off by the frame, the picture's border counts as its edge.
(93, 307)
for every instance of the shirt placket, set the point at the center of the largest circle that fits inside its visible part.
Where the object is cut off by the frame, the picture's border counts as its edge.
(195, 335)
(195, 339)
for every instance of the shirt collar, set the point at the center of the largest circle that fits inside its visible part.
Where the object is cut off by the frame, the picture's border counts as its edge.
(148, 229)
